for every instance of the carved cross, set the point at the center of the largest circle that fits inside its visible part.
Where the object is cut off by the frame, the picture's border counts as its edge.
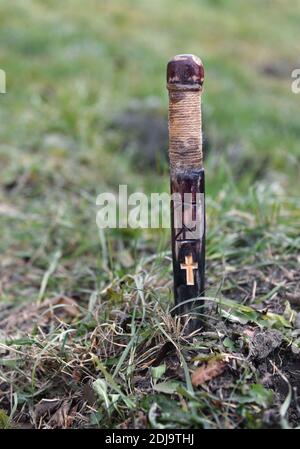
(189, 266)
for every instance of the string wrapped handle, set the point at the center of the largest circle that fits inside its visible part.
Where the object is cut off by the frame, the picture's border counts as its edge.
(185, 75)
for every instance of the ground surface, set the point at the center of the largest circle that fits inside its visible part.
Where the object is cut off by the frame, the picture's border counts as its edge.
(86, 338)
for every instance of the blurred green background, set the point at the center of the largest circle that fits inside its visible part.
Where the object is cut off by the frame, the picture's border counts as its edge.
(86, 110)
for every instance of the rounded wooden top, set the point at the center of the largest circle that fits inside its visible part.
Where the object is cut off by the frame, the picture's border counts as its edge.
(185, 71)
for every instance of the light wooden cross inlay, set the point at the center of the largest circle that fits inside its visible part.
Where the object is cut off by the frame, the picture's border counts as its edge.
(189, 266)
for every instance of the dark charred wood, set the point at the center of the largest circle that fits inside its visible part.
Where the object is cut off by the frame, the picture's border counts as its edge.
(185, 70)
(188, 238)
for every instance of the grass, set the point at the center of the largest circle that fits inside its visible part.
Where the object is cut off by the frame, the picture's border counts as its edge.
(86, 337)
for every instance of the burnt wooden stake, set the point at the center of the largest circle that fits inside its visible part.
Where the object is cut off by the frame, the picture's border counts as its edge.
(185, 76)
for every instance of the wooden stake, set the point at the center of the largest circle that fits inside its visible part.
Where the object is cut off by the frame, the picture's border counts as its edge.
(185, 76)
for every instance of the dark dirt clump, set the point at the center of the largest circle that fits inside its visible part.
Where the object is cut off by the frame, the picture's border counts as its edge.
(264, 343)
